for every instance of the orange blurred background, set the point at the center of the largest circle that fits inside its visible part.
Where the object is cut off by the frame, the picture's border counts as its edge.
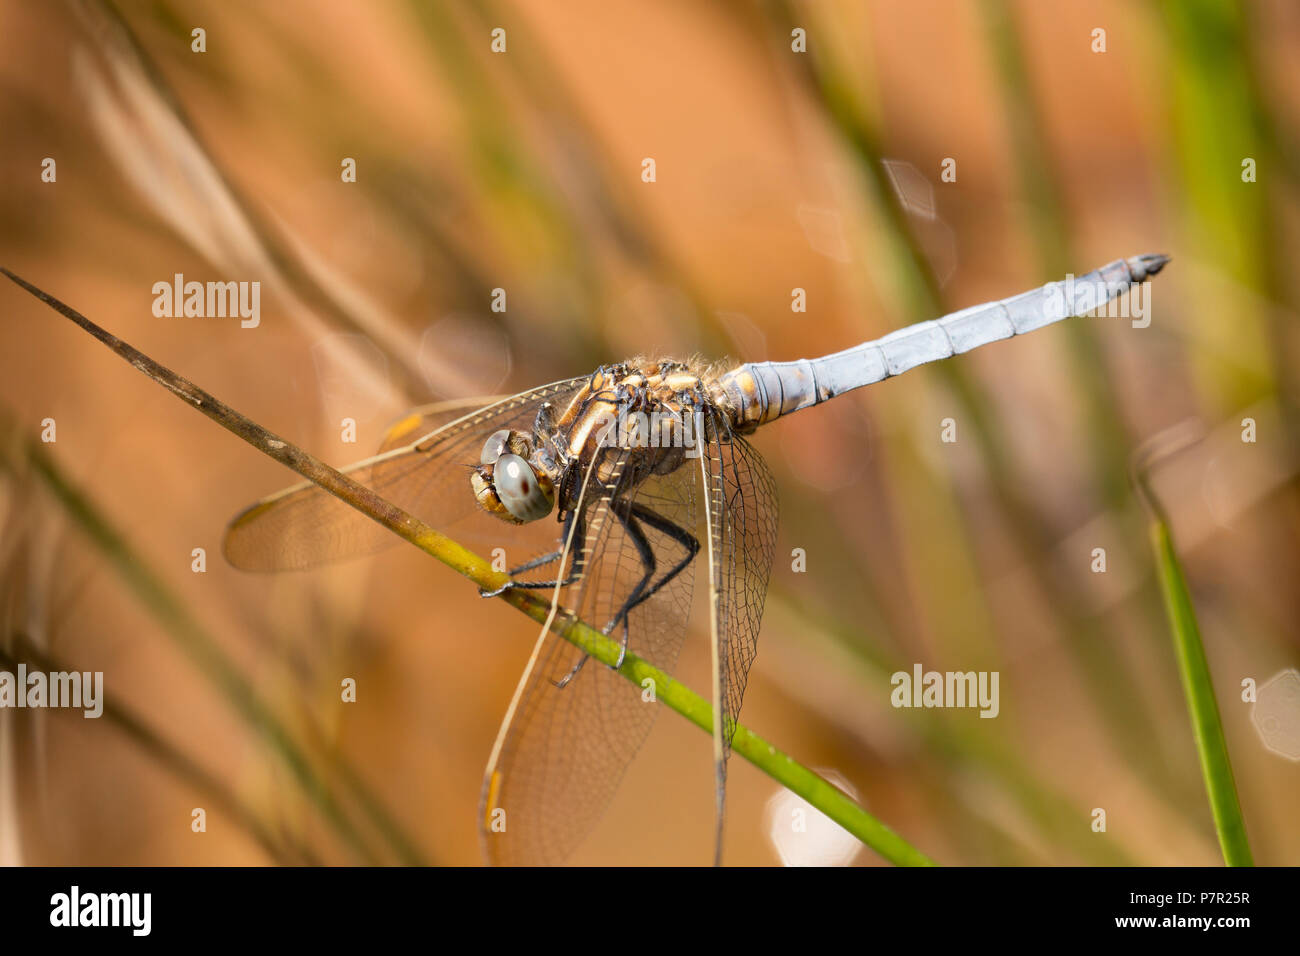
(775, 170)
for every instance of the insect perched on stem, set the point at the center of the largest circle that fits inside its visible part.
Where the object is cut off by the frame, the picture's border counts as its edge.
(645, 466)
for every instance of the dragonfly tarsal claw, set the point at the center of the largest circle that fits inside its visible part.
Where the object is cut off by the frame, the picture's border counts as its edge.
(563, 682)
(622, 652)
(496, 592)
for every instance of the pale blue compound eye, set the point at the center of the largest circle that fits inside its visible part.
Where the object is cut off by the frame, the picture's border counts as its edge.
(519, 490)
(494, 446)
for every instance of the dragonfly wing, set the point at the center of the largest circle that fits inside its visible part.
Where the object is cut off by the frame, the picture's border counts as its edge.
(423, 472)
(741, 513)
(563, 750)
(423, 420)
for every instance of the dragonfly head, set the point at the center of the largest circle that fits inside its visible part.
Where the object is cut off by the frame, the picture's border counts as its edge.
(507, 485)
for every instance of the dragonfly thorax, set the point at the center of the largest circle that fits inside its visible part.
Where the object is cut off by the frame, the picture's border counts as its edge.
(629, 421)
(634, 419)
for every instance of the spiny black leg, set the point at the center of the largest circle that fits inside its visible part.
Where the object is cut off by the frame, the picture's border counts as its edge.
(563, 682)
(678, 534)
(647, 555)
(537, 562)
(640, 594)
(575, 570)
(647, 562)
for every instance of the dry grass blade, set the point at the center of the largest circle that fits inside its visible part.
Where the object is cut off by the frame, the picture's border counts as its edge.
(280, 848)
(203, 650)
(157, 149)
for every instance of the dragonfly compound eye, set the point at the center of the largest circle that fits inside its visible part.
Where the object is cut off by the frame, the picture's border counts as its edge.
(494, 447)
(519, 489)
(503, 442)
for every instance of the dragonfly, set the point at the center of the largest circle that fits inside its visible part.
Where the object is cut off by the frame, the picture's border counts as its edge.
(637, 474)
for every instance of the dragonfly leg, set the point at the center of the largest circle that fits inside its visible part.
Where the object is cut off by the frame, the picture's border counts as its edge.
(563, 682)
(575, 570)
(538, 562)
(575, 573)
(622, 651)
(678, 534)
(647, 556)
(644, 590)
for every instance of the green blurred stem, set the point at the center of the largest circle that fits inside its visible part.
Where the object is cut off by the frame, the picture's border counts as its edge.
(195, 641)
(282, 849)
(1193, 668)
(960, 749)
(782, 768)
(1199, 689)
(818, 792)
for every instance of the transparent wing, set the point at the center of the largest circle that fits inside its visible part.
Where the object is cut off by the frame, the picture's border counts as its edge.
(423, 420)
(564, 749)
(742, 514)
(304, 526)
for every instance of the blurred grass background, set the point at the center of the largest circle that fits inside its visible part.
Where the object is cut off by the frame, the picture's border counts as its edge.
(775, 170)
